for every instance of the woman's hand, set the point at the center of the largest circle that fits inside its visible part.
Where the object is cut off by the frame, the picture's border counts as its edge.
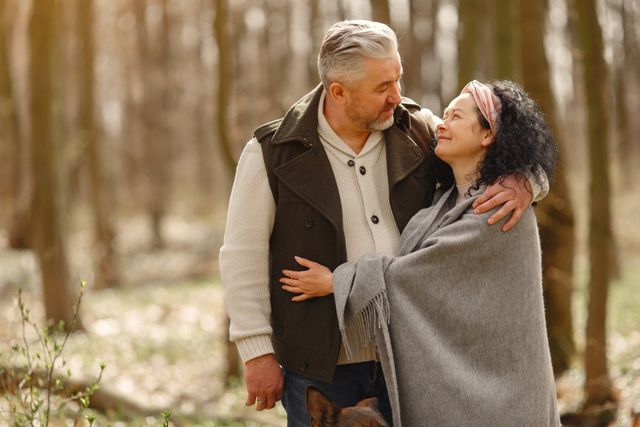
(316, 281)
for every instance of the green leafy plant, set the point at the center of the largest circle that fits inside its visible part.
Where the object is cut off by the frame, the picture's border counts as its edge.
(35, 373)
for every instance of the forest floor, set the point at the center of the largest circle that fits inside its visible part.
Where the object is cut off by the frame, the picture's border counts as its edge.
(161, 334)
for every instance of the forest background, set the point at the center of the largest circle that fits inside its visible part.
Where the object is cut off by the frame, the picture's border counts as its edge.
(121, 122)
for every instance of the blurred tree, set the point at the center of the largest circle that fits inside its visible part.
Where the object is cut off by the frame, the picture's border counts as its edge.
(598, 388)
(48, 235)
(626, 70)
(223, 90)
(220, 31)
(105, 270)
(136, 116)
(203, 143)
(15, 188)
(275, 53)
(316, 39)
(380, 11)
(555, 213)
(505, 38)
(468, 38)
(414, 48)
(157, 150)
(342, 11)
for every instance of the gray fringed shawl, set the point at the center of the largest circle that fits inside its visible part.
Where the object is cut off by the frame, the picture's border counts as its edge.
(458, 320)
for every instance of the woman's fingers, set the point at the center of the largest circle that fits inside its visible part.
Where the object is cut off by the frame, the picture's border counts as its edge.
(292, 273)
(305, 262)
(292, 289)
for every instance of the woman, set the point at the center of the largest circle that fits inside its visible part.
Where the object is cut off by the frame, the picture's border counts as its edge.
(458, 316)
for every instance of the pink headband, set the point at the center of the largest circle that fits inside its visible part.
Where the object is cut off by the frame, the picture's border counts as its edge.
(488, 103)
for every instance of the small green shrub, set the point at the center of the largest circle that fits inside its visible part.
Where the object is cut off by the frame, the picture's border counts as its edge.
(34, 374)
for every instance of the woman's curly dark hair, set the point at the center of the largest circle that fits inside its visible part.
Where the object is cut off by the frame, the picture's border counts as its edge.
(522, 144)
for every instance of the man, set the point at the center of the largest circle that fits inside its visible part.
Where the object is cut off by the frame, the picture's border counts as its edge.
(336, 179)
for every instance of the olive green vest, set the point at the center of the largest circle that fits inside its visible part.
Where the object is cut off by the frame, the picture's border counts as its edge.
(308, 220)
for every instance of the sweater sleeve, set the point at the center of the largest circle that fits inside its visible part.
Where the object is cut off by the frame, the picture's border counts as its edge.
(244, 256)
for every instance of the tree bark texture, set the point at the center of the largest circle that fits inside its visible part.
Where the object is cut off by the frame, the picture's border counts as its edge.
(224, 83)
(468, 37)
(380, 11)
(555, 213)
(505, 38)
(48, 233)
(15, 188)
(104, 254)
(597, 383)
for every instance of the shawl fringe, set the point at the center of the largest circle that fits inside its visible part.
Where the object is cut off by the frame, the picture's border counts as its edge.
(361, 329)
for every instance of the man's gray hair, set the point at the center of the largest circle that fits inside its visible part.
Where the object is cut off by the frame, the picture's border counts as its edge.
(345, 46)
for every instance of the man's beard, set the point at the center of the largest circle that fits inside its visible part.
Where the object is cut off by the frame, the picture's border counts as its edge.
(366, 123)
(381, 124)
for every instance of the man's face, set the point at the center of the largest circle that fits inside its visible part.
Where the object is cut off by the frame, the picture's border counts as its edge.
(372, 99)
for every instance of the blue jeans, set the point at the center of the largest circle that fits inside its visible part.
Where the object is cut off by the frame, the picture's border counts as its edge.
(351, 383)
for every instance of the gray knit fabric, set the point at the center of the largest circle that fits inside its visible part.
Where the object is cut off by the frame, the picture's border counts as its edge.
(458, 320)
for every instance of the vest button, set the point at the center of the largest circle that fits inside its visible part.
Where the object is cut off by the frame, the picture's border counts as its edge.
(351, 163)
(363, 170)
(301, 366)
(308, 222)
(375, 219)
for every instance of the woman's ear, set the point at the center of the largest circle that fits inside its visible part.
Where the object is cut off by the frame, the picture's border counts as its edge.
(487, 139)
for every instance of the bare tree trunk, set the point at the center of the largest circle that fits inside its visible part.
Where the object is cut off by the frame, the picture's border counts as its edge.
(224, 83)
(203, 142)
(598, 387)
(434, 64)
(274, 59)
(48, 234)
(342, 12)
(624, 72)
(104, 255)
(312, 68)
(555, 212)
(15, 188)
(468, 37)
(158, 149)
(380, 11)
(421, 64)
(505, 38)
(224, 88)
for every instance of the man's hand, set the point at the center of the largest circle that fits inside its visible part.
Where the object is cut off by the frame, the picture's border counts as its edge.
(264, 380)
(513, 193)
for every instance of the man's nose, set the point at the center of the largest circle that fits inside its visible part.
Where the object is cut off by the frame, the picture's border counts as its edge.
(394, 96)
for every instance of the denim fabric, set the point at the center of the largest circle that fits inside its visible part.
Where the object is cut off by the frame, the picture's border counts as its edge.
(351, 383)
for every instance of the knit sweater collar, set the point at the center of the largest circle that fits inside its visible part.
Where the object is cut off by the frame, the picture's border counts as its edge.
(329, 136)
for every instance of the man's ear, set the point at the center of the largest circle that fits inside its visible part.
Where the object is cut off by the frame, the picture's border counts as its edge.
(337, 92)
(320, 408)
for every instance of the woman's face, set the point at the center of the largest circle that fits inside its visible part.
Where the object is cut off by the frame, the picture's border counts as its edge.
(461, 139)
